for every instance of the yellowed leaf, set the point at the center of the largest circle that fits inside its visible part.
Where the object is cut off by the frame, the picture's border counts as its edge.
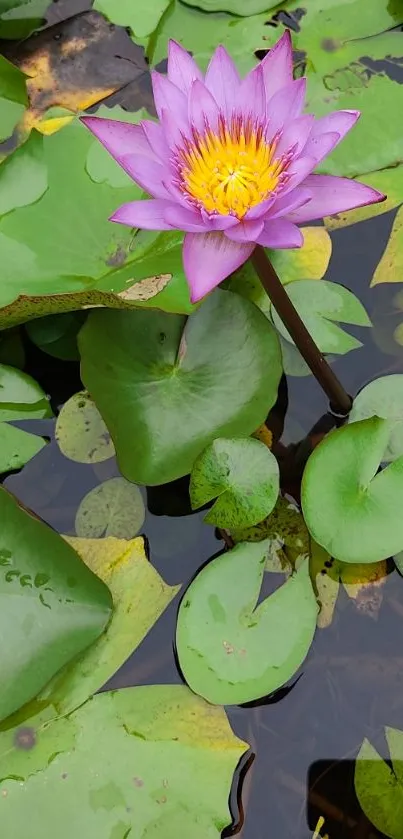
(139, 595)
(264, 435)
(307, 263)
(145, 289)
(390, 268)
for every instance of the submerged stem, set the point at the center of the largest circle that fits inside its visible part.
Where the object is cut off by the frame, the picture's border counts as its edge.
(340, 401)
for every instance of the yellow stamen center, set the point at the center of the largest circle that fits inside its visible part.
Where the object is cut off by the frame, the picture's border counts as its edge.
(231, 170)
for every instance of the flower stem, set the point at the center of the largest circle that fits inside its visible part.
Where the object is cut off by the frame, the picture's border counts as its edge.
(340, 401)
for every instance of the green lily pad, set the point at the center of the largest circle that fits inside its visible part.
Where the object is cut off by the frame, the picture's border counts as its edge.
(234, 7)
(200, 33)
(17, 447)
(387, 181)
(383, 398)
(81, 433)
(52, 606)
(169, 386)
(244, 474)
(84, 259)
(142, 17)
(23, 176)
(140, 595)
(114, 508)
(18, 18)
(20, 396)
(349, 509)
(320, 305)
(57, 334)
(232, 651)
(150, 761)
(379, 788)
(13, 96)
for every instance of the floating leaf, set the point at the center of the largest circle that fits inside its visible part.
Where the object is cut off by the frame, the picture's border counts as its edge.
(169, 387)
(17, 447)
(13, 98)
(362, 583)
(244, 474)
(379, 788)
(284, 526)
(140, 596)
(114, 508)
(18, 18)
(81, 433)
(320, 305)
(390, 268)
(232, 651)
(152, 761)
(57, 334)
(383, 398)
(200, 33)
(142, 17)
(235, 7)
(23, 176)
(20, 396)
(349, 509)
(52, 606)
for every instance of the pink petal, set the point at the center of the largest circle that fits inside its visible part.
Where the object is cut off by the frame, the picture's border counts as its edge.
(246, 231)
(261, 209)
(174, 130)
(277, 65)
(209, 258)
(203, 109)
(148, 215)
(149, 174)
(331, 194)
(183, 219)
(285, 105)
(336, 124)
(339, 121)
(295, 135)
(222, 80)
(297, 172)
(319, 147)
(119, 138)
(251, 96)
(295, 199)
(215, 221)
(168, 97)
(280, 233)
(156, 138)
(182, 69)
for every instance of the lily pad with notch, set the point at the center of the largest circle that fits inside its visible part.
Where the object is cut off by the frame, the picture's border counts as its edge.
(232, 650)
(244, 474)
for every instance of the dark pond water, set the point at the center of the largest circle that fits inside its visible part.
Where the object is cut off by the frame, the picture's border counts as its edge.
(305, 738)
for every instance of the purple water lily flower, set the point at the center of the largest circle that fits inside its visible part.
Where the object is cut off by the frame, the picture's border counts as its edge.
(230, 161)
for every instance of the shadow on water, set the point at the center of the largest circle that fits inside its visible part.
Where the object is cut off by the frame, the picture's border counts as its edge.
(305, 738)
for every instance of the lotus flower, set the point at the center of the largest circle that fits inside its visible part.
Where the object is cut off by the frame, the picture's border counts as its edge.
(230, 161)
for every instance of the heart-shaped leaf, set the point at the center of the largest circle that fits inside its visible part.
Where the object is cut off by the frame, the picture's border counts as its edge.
(232, 651)
(379, 788)
(142, 17)
(13, 97)
(152, 761)
(320, 305)
(383, 398)
(57, 334)
(81, 433)
(167, 387)
(113, 508)
(349, 509)
(17, 447)
(52, 606)
(244, 474)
